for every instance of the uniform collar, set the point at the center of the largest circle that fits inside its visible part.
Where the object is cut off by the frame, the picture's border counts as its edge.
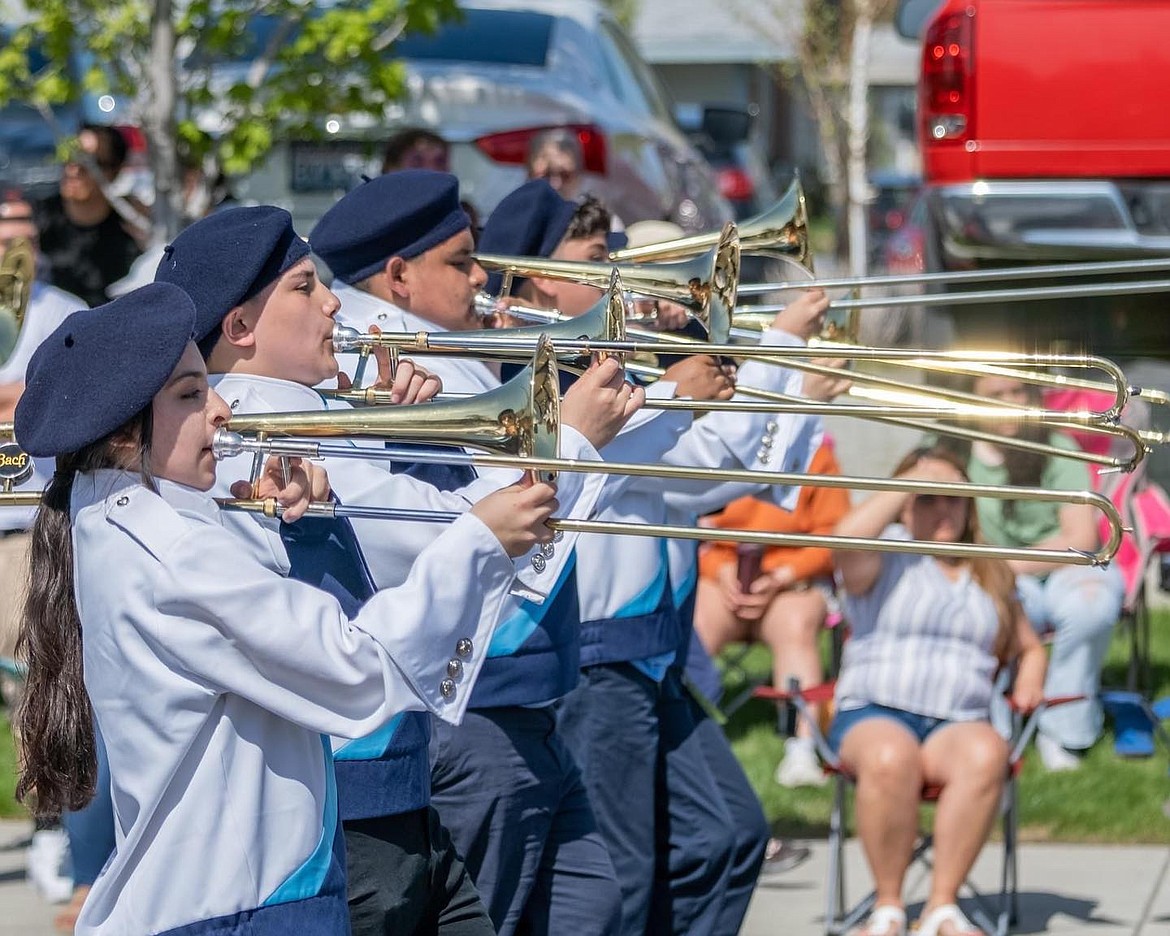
(251, 393)
(106, 485)
(360, 309)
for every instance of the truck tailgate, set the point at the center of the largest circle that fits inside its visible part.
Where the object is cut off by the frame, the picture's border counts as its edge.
(1072, 88)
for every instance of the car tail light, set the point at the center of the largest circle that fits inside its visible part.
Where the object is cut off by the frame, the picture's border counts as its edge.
(948, 78)
(735, 184)
(511, 146)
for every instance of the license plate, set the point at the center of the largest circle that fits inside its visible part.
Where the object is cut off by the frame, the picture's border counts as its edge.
(329, 167)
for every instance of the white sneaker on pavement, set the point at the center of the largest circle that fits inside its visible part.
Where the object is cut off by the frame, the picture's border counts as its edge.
(799, 767)
(1055, 758)
(48, 866)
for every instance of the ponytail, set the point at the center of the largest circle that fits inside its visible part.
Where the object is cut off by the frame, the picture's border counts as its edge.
(58, 753)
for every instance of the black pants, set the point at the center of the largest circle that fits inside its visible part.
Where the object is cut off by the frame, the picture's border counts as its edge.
(406, 879)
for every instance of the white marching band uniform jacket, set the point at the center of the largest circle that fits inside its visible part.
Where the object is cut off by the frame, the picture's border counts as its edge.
(753, 441)
(213, 681)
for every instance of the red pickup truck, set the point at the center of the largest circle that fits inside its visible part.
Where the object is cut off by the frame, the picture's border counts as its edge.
(1045, 134)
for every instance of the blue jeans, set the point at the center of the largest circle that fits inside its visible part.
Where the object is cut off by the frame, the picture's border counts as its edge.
(1079, 605)
(91, 828)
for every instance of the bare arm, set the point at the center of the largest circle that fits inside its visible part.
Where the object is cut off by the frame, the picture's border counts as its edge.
(859, 569)
(1078, 530)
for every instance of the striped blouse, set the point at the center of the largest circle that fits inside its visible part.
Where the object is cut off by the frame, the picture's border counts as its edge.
(920, 641)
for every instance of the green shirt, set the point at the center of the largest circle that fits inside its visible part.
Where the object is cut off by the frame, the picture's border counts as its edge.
(1032, 521)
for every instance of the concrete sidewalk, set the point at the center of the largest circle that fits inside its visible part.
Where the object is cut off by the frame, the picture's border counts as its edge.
(1070, 890)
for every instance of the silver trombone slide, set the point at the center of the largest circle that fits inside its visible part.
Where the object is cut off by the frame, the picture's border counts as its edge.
(1156, 265)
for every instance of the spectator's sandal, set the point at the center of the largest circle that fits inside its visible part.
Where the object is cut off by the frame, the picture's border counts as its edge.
(886, 920)
(933, 922)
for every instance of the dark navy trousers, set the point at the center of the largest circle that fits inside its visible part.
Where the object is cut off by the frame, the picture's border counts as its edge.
(711, 830)
(510, 793)
(610, 723)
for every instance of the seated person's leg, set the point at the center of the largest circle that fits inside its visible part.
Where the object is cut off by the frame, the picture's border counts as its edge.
(790, 627)
(1082, 605)
(715, 623)
(883, 755)
(969, 761)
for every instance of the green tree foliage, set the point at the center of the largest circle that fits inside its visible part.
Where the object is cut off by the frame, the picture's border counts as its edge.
(198, 80)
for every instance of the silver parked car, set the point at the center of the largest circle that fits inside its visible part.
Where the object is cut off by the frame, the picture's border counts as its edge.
(490, 81)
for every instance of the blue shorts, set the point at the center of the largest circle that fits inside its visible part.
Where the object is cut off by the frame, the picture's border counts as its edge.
(920, 726)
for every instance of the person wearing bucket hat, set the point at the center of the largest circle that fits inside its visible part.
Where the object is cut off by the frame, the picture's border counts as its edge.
(212, 679)
(266, 352)
(390, 242)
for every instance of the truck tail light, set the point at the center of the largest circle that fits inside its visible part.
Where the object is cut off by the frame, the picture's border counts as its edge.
(511, 146)
(948, 79)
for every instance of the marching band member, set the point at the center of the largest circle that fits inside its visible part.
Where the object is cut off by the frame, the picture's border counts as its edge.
(212, 679)
(264, 329)
(629, 716)
(502, 782)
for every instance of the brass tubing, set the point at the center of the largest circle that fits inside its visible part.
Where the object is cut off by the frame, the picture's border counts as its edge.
(501, 346)
(235, 443)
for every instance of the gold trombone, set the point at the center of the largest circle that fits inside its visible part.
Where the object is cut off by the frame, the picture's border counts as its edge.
(705, 285)
(522, 419)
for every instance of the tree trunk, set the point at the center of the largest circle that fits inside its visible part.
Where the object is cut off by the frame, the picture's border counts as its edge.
(159, 124)
(858, 135)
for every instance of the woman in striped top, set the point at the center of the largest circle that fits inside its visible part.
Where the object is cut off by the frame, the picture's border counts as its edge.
(914, 695)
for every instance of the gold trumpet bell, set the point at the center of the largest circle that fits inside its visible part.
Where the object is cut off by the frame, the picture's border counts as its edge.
(520, 418)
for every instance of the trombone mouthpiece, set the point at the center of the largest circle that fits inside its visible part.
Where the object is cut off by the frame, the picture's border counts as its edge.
(346, 339)
(228, 444)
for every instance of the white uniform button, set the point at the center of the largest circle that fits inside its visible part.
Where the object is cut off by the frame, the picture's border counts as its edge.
(234, 405)
(447, 689)
(123, 501)
(382, 316)
(454, 669)
(764, 454)
(771, 427)
(464, 647)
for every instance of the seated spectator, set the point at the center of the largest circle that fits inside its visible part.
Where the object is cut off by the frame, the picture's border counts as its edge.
(782, 604)
(85, 243)
(915, 689)
(1078, 604)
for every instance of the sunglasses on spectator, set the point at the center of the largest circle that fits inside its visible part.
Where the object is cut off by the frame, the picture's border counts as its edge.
(939, 500)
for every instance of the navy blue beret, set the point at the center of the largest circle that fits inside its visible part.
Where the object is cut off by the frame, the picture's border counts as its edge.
(399, 214)
(226, 258)
(616, 240)
(530, 222)
(101, 367)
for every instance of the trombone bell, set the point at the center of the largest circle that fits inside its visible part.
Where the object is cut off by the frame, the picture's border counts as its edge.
(781, 229)
(706, 285)
(520, 418)
(17, 271)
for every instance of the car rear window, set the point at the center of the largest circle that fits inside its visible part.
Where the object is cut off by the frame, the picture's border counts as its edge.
(496, 37)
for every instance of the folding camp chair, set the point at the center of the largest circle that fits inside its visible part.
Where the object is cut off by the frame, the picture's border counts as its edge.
(994, 915)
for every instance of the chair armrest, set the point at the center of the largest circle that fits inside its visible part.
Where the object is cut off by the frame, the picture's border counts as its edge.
(1032, 722)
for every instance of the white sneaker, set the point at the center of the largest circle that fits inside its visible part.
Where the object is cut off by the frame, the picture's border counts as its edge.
(799, 766)
(48, 866)
(1055, 758)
